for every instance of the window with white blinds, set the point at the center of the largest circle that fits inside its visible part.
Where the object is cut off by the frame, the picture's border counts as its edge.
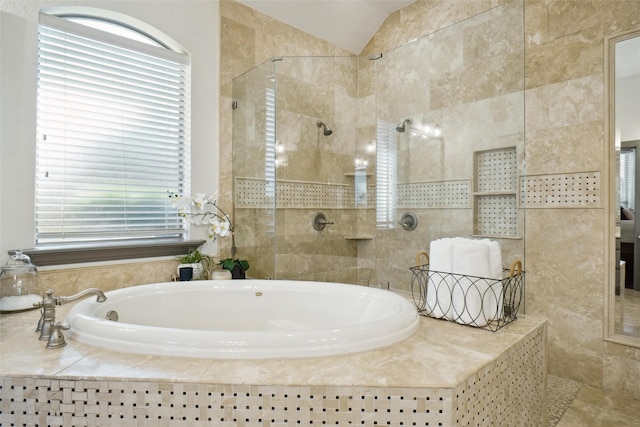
(627, 178)
(112, 131)
(386, 170)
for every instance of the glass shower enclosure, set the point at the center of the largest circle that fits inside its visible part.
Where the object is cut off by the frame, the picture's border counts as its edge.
(431, 133)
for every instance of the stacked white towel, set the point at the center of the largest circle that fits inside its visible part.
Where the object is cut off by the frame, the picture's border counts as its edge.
(439, 285)
(470, 300)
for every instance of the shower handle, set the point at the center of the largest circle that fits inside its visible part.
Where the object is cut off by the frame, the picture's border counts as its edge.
(320, 221)
(409, 221)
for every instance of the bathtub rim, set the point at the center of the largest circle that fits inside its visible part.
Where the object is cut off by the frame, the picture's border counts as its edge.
(142, 339)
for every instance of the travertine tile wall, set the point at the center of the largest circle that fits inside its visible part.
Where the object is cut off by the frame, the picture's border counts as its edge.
(69, 281)
(468, 79)
(565, 111)
(564, 117)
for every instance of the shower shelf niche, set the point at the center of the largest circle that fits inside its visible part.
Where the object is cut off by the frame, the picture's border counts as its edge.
(495, 193)
(353, 174)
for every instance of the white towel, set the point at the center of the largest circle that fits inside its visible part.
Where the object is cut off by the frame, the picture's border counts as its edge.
(493, 300)
(475, 300)
(439, 285)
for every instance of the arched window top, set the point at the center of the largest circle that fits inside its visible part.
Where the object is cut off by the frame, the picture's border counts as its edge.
(114, 23)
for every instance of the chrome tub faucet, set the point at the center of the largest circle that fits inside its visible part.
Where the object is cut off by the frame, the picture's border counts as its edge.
(50, 330)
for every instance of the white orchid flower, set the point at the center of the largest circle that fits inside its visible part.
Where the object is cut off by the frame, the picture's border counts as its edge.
(224, 228)
(180, 203)
(216, 226)
(200, 200)
(196, 211)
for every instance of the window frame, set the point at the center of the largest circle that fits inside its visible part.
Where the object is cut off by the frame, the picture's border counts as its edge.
(72, 253)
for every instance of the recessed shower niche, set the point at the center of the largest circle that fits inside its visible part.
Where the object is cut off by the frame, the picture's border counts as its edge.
(495, 197)
(416, 129)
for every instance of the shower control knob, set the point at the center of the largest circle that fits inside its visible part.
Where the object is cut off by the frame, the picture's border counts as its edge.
(320, 221)
(409, 221)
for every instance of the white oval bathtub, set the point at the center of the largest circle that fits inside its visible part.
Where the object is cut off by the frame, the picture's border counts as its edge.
(244, 319)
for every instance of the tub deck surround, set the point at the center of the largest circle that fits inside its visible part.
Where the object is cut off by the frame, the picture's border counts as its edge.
(445, 374)
(440, 354)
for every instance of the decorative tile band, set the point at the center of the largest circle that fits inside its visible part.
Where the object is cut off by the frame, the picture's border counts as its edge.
(572, 190)
(259, 193)
(29, 401)
(437, 194)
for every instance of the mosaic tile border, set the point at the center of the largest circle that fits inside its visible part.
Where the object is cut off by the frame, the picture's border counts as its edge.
(117, 403)
(571, 190)
(255, 193)
(437, 194)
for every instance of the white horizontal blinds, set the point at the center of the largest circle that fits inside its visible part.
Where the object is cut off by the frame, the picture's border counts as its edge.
(386, 170)
(111, 138)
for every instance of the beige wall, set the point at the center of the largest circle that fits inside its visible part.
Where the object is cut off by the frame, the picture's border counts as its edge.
(564, 136)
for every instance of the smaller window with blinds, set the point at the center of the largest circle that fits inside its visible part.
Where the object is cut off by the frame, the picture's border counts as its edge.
(386, 172)
(112, 131)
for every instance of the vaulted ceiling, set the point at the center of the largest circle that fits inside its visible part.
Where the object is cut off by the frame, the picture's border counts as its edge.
(348, 24)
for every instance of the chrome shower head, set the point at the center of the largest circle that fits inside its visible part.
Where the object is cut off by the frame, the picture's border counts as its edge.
(403, 126)
(326, 129)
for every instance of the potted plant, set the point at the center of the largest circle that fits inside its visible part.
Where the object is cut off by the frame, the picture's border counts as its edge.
(204, 210)
(200, 263)
(236, 266)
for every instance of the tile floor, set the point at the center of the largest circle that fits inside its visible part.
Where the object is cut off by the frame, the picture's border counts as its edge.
(628, 313)
(572, 404)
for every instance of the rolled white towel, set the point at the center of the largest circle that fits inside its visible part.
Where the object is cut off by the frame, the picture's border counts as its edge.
(439, 285)
(492, 299)
(477, 268)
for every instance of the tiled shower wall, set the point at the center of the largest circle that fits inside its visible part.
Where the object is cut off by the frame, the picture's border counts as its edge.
(313, 169)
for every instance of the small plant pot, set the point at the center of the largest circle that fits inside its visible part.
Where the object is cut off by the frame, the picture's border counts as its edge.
(198, 269)
(237, 272)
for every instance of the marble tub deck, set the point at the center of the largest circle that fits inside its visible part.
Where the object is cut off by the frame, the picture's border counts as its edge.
(445, 374)
(439, 355)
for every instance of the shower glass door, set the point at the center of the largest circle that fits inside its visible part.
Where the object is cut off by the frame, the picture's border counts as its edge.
(254, 169)
(315, 145)
(449, 110)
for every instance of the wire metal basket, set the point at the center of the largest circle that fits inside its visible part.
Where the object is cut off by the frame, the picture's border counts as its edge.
(475, 301)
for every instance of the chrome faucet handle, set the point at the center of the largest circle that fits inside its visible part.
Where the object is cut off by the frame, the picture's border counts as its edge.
(41, 321)
(409, 221)
(45, 325)
(56, 339)
(320, 222)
